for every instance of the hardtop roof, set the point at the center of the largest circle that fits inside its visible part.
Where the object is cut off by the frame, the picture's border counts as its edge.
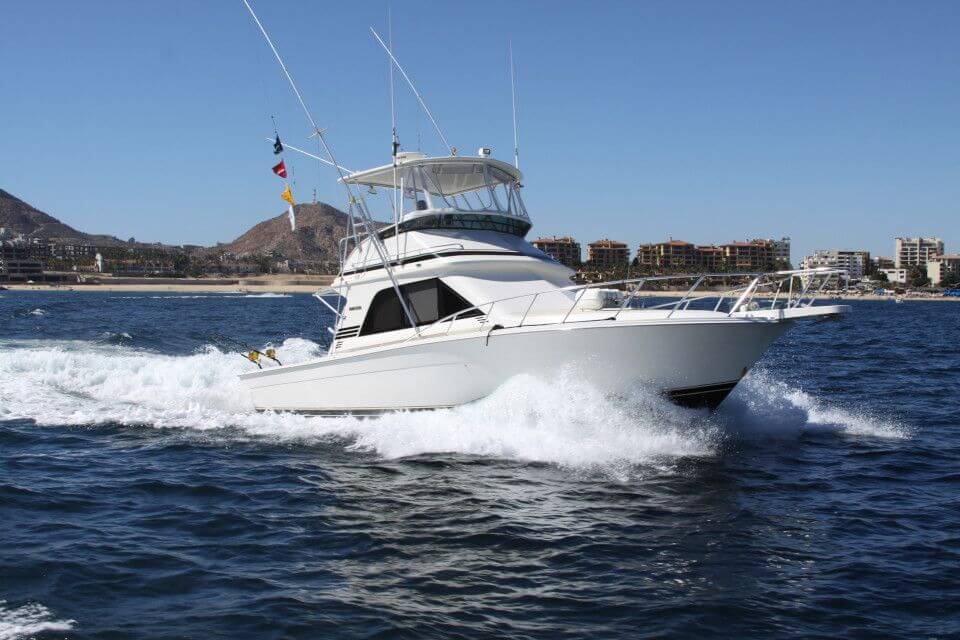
(447, 175)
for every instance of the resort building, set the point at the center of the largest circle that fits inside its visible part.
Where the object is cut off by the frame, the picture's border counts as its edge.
(564, 250)
(18, 264)
(939, 267)
(856, 263)
(673, 254)
(711, 258)
(756, 255)
(781, 249)
(608, 253)
(914, 252)
(679, 255)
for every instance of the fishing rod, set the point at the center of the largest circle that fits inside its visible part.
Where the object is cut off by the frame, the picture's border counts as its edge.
(246, 351)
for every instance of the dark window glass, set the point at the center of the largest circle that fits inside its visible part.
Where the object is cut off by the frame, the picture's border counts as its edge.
(424, 299)
(429, 301)
(481, 222)
(385, 313)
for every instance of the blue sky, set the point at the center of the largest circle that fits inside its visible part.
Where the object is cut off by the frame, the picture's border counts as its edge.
(836, 123)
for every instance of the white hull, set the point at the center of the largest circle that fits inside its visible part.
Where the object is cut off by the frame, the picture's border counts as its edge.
(695, 360)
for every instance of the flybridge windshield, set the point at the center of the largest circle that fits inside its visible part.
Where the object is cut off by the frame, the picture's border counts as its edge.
(494, 196)
(454, 192)
(466, 221)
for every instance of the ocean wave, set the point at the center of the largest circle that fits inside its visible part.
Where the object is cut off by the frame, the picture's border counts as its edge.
(266, 295)
(563, 421)
(763, 405)
(28, 620)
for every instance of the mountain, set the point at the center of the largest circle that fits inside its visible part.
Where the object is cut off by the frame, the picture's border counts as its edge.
(18, 217)
(319, 229)
(315, 240)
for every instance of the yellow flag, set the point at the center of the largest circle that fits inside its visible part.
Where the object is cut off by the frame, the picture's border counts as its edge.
(287, 195)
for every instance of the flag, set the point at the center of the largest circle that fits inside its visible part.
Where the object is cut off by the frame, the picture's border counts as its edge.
(288, 196)
(293, 218)
(277, 147)
(280, 169)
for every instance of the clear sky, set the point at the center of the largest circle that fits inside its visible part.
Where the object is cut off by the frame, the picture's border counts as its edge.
(835, 123)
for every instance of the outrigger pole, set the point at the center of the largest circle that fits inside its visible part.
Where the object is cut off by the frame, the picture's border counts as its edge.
(352, 201)
(513, 100)
(413, 88)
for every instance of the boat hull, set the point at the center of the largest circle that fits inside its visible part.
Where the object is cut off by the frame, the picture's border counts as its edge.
(694, 363)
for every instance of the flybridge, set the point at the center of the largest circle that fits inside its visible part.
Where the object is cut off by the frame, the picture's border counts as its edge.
(432, 187)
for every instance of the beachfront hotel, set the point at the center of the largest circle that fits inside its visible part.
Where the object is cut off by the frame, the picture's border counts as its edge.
(915, 252)
(565, 250)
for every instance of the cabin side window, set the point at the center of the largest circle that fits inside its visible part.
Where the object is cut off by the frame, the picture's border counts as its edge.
(429, 301)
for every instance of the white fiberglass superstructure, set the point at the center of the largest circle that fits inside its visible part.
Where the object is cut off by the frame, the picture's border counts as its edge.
(449, 301)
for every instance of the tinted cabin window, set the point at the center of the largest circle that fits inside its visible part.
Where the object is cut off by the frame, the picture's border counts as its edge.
(429, 301)
(480, 222)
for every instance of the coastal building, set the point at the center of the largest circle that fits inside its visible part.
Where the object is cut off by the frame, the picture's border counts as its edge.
(940, 267)
(781, 249)
(856, 263)
(673, 254)
(565, 250)
(679, 255)
(879, 262)
(914, 252)
(711, 258)
(17, 264)
(756, 255)
(608, 253)
(894, 275)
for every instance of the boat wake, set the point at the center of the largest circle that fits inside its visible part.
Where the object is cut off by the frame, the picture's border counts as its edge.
(28, 620)
(763, 406)
(562, 421)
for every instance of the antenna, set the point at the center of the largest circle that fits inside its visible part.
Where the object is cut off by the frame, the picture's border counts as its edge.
(395, 201)
(513, 100)
(393, 108)
(412, 87)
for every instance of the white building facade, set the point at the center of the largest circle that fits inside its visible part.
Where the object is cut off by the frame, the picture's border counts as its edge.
(895, 276)
(940, 267)
(915, 252)
(856, 263)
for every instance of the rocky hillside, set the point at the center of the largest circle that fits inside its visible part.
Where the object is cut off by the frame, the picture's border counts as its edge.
(18, 217)
(319, 229)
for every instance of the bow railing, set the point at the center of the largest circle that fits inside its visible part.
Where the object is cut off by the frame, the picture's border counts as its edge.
(790, 289)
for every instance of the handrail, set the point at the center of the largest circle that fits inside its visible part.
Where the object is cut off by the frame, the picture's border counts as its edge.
(746, 293)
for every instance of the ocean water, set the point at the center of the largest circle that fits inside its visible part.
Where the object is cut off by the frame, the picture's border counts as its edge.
(140, 497)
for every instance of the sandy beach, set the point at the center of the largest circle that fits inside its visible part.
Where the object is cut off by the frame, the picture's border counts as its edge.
(311, 284)
(260, 284)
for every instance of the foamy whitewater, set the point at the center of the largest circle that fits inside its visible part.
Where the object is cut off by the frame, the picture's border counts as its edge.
(28, 620)
(563, 421)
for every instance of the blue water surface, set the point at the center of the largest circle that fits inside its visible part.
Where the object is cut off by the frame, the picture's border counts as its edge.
(140, 497)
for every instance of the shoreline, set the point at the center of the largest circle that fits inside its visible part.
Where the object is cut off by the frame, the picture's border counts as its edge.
(312, 285)
(259, 284)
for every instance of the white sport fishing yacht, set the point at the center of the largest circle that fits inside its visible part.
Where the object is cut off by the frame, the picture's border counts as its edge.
(449, 301)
